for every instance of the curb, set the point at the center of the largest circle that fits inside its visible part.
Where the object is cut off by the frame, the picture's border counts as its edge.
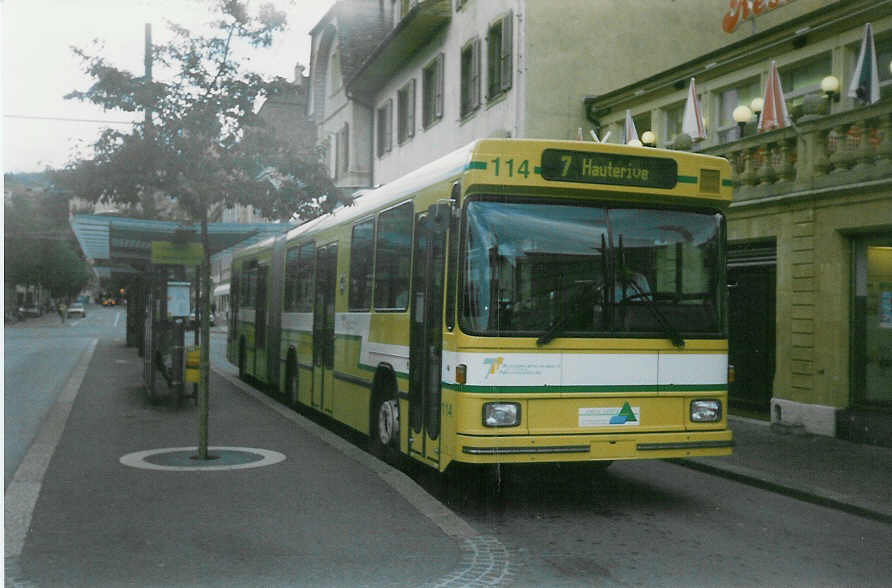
(804, 493)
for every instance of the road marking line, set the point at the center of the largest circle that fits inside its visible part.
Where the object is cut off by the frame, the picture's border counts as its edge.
(21, 495)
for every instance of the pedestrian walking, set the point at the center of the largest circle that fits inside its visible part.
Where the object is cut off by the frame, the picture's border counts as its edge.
(62, 311)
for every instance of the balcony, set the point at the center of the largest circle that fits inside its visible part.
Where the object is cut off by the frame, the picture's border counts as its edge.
(418, 28)
(820, 154)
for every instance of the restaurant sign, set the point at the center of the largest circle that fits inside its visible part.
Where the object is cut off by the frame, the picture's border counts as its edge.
(739, 10)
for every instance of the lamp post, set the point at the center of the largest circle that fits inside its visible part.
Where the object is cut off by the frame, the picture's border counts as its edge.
(742, 115)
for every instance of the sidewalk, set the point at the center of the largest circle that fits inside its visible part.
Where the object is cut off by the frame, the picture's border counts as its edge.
(836, 473)
(80, 513)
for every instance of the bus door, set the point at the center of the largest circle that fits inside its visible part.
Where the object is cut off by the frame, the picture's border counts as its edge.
(426, 333)
(323, 327)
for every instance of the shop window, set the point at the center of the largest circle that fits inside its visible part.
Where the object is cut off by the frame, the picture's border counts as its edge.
(392, 258)
(872, 328)
(470, 77)
(728, 100)
(405, 112)
(432, 88)
(385, 128)
(361, 266)
(499, 42)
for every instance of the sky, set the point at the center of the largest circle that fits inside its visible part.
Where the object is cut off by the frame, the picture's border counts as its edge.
(40, 128)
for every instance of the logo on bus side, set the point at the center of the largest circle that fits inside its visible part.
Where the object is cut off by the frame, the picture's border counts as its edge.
(624, 416)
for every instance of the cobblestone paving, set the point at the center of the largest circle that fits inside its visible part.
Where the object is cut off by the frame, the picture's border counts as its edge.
(485, 562)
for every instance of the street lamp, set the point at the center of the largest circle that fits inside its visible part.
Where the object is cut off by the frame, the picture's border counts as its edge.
(830, 87)
(742, 115)
(756, 105)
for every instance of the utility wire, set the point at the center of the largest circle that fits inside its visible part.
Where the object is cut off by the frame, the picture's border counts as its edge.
(59, 118)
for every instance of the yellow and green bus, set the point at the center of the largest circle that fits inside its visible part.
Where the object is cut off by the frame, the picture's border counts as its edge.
(514, 301)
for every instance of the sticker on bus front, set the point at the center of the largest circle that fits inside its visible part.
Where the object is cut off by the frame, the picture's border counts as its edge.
(624, 416)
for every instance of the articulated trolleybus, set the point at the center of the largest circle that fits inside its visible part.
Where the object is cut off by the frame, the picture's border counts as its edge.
(513, 301)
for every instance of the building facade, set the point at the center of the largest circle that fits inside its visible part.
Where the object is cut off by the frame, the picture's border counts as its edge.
(810, 224)
(810, 228)
(398, 83)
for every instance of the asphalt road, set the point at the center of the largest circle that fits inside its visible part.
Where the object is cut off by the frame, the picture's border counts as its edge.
(39, 355)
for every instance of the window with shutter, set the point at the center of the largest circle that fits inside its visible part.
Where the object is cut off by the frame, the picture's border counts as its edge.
(499, 52)
(470, 77)
(432, 84)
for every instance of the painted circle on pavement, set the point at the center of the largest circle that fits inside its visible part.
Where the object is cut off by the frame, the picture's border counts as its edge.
(185, 459)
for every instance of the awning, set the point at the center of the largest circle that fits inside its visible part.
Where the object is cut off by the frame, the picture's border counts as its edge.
(221, 290)
(117, 245)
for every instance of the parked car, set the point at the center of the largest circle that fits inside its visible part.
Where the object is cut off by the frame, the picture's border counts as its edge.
(195, 322)
(77, 308)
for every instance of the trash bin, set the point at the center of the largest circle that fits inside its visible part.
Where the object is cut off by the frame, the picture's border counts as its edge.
(193, 359)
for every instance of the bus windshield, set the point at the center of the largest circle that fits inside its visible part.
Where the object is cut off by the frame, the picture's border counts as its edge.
(572, 269)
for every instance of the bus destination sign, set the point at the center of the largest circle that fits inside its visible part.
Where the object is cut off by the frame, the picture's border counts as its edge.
(609, 168)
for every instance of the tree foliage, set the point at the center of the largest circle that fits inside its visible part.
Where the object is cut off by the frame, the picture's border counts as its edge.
(205, 145)
(39, 248)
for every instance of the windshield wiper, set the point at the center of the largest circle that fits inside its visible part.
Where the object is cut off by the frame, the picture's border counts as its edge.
(561, 321)
(668, 328)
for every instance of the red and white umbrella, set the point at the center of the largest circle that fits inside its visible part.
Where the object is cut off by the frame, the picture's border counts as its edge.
(631, 132)
(692, 121)
(774, 107)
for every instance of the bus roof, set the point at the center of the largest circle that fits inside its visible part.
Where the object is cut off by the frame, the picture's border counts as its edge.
(537, 163)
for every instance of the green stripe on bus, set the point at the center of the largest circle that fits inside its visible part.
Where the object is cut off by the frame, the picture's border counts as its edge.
(585, 389)
(477, 165)
(687, 179)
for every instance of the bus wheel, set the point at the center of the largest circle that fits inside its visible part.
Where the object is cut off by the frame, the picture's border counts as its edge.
(291, 387)
(385, 430)
(241, 359)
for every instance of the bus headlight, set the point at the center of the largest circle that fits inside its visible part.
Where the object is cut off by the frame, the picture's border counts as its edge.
(706, 411)
(501, 414)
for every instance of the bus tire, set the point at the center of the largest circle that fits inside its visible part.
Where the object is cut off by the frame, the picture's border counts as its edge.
(384, 417)
(242, 359)
(290, 395)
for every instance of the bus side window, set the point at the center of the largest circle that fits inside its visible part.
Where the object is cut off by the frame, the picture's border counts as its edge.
(360, 296)
(392, 253)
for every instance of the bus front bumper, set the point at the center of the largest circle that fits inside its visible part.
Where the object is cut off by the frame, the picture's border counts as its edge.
(545, 448)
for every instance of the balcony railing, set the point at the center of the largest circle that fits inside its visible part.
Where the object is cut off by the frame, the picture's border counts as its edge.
(816, 153)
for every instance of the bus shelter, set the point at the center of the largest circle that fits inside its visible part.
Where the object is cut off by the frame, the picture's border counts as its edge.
(159, 261)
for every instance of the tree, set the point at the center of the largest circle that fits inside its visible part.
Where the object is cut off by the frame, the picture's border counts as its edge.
(39, 248)
(202, 145)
